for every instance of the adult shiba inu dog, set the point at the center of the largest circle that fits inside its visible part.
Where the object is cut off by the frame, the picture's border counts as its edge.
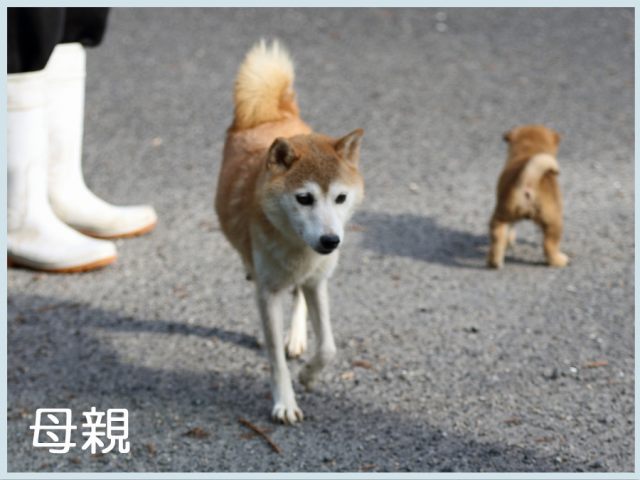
(528, 189)
(284, 195)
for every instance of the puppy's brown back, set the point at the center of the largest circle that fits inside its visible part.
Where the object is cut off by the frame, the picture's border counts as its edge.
(528, 187)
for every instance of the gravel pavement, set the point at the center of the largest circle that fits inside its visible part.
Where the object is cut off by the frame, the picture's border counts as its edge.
(457, 368)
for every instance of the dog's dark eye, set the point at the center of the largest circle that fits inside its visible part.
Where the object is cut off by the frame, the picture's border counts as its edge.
(304, 198)
(341, 198)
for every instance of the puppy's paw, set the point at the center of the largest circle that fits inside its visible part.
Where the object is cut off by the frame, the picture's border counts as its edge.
(559, 260)
(286, 412)
(296, 345)
(494, 263)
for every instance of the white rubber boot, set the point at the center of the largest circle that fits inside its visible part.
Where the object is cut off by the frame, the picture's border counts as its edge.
(70, 198)
(36, 238)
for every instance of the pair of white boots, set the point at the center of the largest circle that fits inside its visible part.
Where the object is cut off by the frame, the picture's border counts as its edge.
(52, 215)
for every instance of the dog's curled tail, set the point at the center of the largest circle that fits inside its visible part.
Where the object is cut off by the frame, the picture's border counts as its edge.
(537, 167)
(264, 87)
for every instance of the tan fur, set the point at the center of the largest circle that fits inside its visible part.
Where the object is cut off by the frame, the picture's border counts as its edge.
(264, 87)
(242, 176)
(528, 189)
(269, 154)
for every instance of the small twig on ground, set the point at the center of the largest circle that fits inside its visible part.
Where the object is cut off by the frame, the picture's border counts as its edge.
(596, 364)
(260, 432)
(515, 420)
(196, 432)
(362, 364)
(151, 448)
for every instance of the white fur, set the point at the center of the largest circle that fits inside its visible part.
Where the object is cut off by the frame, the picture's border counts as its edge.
(297, 339)
(324, 217)
(292, 259)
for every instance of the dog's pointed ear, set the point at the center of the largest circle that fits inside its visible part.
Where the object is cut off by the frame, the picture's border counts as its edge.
(281, 154)
(557, 137)
(348, 147)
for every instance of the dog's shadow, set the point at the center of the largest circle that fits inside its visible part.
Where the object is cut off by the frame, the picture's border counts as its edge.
(61, 355)
(424, 239)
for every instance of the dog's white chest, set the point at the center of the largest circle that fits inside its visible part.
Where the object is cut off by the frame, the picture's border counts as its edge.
(282, 267)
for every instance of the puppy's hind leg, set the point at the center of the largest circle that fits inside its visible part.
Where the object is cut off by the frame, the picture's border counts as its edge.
(285, 408)
(511, 239)
(317, 298)
(499, 232)
(552, 231)
(296, 342)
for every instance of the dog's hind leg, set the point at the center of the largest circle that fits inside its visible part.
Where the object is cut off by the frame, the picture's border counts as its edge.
(499, 232)
(511, 240)
(285, 408)
(317, 298)
(552, 231)
(296, 342)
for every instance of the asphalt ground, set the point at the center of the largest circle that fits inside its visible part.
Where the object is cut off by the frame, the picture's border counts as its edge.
(457, 367)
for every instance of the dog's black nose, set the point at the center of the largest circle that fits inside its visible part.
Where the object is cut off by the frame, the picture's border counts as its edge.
(329, 242)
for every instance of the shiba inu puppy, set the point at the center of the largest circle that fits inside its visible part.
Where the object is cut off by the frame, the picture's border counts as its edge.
(528, 189)
(284, 196)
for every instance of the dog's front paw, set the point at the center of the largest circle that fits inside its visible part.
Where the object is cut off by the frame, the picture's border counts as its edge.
(559, 260)
(286, 412)
(296, 345)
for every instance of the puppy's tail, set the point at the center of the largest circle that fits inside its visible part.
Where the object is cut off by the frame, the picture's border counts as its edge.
(536, 168)
(264, 87)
